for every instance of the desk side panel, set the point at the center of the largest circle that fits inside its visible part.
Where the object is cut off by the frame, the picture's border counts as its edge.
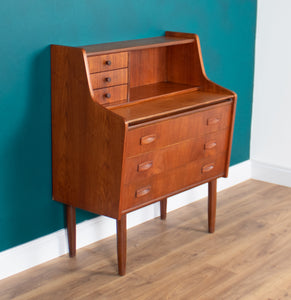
(87, 139)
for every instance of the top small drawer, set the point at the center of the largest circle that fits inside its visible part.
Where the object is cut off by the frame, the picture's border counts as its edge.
(106, 62)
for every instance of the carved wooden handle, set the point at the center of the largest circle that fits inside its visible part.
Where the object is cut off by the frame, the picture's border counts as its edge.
(207, 168)
(147, 139)
(209, 145)
(212, 121)
(144, 166)
(143, 191)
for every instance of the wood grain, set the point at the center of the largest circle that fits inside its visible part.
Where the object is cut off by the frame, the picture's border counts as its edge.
(147, 66)
(154, 109)
(106, 62)
(114, 105)
(109, 78)
(246, 258)
(171, 182)
(212, 187)
(81, 171)
(163, 209)
(160, 41)
(71, 229)
(111, 94)
(121, 244)
(182, 128)
(159, 89)
(151, 163)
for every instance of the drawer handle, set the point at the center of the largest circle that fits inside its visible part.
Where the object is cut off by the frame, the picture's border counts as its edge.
(107, 79)
(212, 121)
(143, 191)
(107, 95)
(147, 139)
(108, 62)
(207, 168)
(209, 145)
(144, 166)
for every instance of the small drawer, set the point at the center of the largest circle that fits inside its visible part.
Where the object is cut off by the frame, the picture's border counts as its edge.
(101, 63)
(111, 94)
(179, 128)
(109, 78)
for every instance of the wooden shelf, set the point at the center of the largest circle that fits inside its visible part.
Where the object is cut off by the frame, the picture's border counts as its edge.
(151, 91)
(160, 41)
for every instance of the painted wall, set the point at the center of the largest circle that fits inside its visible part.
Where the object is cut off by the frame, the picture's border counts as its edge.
(271, 137)
(227, 32)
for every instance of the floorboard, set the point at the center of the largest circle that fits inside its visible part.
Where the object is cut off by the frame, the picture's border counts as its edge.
(248, 257)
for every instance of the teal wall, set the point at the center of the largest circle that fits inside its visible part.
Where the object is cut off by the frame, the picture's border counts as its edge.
(27, 28)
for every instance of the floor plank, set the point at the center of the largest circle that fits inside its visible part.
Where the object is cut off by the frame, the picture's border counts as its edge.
(246, 258)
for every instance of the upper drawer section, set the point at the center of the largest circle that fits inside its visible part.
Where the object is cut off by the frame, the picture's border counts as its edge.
(101, 63)
(176, 129)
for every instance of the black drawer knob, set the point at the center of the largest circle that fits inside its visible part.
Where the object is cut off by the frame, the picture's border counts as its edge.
(108, 79)
(107, 95)
(108, 62)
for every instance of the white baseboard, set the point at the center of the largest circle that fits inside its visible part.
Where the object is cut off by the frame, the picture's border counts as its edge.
(270, 173)
(28, 255)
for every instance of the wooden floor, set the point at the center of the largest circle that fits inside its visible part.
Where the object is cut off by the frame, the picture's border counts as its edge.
(248, 257)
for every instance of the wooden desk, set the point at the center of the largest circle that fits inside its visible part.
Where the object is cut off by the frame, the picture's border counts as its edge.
(133, 123)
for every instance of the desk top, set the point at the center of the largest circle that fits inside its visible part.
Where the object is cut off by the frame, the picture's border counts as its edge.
(140, 111)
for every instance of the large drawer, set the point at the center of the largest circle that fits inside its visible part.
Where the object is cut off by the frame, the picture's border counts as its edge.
(178, 128)
(145, 191)
(154, 162)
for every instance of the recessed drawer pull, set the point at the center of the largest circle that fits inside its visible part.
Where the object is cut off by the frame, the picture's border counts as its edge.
(212, 121)
(207, 168)
(144, 166)
(147, 139)
(209, 145)
(143, 191)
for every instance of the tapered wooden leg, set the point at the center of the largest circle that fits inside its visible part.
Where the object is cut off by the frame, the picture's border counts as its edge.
(71, 228)
(163, 207)
(121, 244)
(211, 205)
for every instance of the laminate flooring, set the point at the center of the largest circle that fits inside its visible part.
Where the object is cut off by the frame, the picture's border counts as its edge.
(248, 256)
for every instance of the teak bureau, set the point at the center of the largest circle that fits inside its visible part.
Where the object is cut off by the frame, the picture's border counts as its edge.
(133, 123)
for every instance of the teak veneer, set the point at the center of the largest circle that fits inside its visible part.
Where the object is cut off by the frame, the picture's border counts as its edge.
(133, 123)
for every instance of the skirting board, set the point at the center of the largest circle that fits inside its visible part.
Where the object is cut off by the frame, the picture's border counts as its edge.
(28, 255)
(270, 173)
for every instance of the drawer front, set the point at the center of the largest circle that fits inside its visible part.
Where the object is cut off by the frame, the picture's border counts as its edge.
(107, 62)
(152, 163)
(177, 129)
(109, 78)
(145, 191)
(111, 94)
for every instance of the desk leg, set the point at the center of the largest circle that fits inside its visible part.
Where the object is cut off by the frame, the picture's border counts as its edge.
(121, 244)
(71, 229)
(211, 205)
(163, 207)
